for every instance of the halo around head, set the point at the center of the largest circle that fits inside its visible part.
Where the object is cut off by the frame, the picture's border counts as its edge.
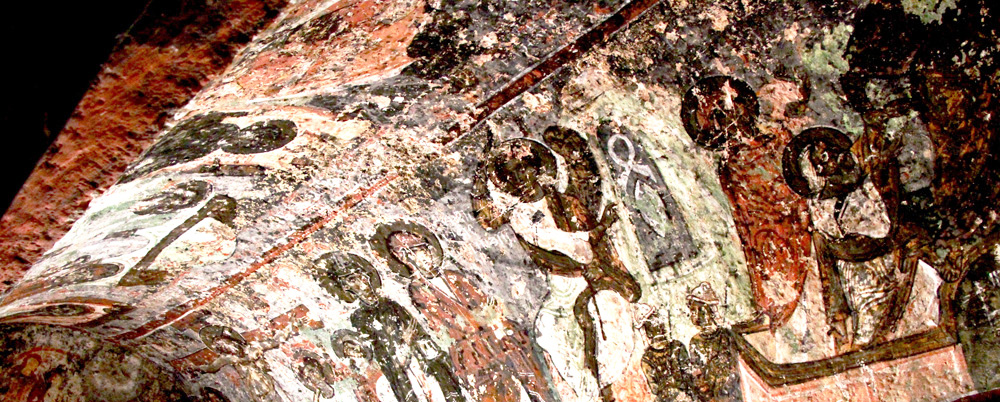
(717, 108)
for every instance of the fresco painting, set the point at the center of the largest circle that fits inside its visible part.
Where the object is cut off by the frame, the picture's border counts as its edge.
(663, 214)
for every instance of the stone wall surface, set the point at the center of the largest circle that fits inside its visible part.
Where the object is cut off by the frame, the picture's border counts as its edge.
(165, 58)
(548, 201)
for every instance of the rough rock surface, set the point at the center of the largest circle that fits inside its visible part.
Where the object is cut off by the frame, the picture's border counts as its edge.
(559, 201)
(167, 57)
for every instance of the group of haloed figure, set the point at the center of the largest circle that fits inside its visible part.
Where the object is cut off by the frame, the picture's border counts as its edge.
(549, 192)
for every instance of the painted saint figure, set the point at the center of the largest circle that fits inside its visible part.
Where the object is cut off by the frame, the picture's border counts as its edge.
(719, 113)
(712, 352)
(493, 359)
(317, 375)
(371, 383)
(555, 211)
(862, 280)
(399, 344)
(666, 362)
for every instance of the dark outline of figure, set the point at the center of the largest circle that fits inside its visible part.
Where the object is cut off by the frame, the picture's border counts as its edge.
(181, 196)
(665, 362)
(712, 351)
(572, 209)
(719, 113)
(924, 69)
(359, 350)
(316, 374)
(830, 152)
(386, 324)
(383, 236)
(220, 207)
(200, 135)
(80, 270)
(481, 342)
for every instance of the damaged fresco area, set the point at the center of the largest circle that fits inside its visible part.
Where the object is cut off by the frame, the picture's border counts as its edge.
(594, 200)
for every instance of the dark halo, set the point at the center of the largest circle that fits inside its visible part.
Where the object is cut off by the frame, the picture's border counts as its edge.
(331, 266)
(380, 244)
(791, 168)
(511, 175)
(701, 103)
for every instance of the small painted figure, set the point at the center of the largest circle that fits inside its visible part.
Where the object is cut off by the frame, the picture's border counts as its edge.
(666, 363)
(713, 354)
(492, 358)
(719, 113)
(317, 375)
(399, 344)
(372, 385)
(861, 279)
(553, 204)
(247, 358)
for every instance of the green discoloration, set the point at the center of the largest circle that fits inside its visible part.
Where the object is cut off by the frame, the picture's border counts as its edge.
(928, 10)
(826, 57)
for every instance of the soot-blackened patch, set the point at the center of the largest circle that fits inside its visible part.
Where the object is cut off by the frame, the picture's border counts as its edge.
(438, 47)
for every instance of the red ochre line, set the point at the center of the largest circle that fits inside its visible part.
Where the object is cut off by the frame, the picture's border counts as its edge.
(348, 202)
(556, 60)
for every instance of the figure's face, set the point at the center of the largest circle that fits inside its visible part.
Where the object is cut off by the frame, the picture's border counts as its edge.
(825, 166)
(701, 314)
(658, 334)
(357, 284)
(353, 349)
(518, 170)
(416, 252)
(227, 346)
(825, 162)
